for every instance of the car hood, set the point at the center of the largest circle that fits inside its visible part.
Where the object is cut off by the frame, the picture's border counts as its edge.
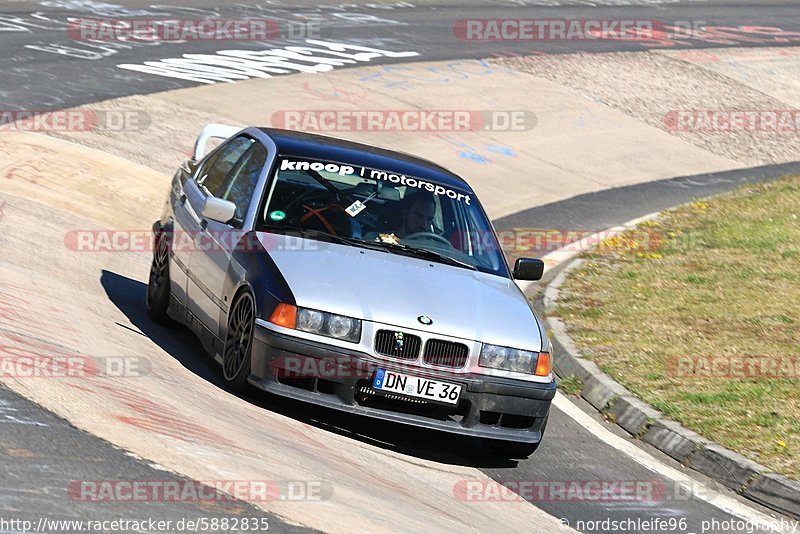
(393, 289)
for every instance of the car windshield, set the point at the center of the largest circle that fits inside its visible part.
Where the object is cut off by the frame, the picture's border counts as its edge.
(400, 213)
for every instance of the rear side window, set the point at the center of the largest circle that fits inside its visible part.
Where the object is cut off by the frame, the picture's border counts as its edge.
(212, 175)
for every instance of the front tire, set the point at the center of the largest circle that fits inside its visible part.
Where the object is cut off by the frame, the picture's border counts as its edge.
(239, 343)
(158, 284)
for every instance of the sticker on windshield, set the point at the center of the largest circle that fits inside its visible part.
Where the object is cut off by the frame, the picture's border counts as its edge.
(355, 208)
(341, 170)
(277, 215)
(375, 174)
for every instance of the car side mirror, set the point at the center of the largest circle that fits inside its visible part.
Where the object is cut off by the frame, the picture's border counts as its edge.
(528, 269)
(217, 209)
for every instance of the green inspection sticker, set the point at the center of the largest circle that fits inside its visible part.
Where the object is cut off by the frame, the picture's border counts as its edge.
(277, 215)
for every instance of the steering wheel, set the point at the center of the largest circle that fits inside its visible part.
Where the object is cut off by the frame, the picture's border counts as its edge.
(427, 235)
(318, 213)
(309, 195)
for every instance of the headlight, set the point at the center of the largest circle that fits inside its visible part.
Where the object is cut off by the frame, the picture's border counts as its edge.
(340, 326)
(310, 320)
(508, 359)
(328, 324)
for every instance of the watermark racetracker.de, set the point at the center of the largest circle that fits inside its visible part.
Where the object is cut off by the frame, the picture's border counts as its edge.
(734, 366)
(177, 30)
(512, 241)
(383, 120)
(608, 491)
(733, 121)
(24, 365)
(161, 491)
(74, 120)
(613, 491)
(585, 29)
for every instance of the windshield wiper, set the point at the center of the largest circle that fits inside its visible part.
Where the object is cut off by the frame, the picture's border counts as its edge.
(418, 252)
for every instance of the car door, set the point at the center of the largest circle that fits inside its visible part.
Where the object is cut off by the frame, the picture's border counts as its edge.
(183, 222)
(186, 219)
(215, 240)
(210, 174)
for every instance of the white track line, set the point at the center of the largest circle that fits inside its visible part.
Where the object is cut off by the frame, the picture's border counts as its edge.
(697, 489)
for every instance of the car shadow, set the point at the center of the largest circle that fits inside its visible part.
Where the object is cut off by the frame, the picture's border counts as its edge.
(128, 296)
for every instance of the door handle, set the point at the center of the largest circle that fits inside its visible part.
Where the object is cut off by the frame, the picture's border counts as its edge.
(183, 198)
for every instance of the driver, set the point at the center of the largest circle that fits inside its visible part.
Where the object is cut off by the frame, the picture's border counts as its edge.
(417, 213)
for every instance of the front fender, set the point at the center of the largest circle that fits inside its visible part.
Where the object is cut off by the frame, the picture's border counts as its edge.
(253, 269)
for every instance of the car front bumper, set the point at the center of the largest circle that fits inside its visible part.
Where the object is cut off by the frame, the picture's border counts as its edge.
(489, 407)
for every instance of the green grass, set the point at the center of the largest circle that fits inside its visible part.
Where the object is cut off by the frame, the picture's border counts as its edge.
(571, 385)
(716, 279)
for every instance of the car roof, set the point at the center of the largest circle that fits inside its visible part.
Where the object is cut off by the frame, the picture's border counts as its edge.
(324, 148)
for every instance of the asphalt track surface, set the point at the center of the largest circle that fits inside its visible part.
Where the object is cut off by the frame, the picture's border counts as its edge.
(41, 452)
(43, 455)
(44, 68)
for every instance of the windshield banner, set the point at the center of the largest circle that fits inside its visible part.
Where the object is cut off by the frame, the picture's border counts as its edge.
(374, 174)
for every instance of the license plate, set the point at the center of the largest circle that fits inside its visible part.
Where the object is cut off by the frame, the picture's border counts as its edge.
(414, 386)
